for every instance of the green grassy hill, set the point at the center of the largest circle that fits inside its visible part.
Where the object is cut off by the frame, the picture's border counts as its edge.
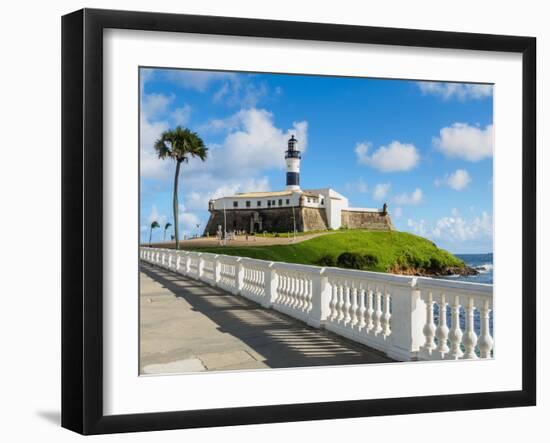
(370, 250)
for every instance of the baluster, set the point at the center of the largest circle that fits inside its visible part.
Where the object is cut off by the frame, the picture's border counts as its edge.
(282, 282)
(347, 303)
(429, 327)
(288, 290)
(298, 292)
(362, 308)
(378, 313)
(455, 334)
(442, 331)
(485, 342)
(370, 310)
(309, 294)
(354, 306)
(333, 300)
(293, 291)
(470, 338)
(386, 318)
(341, 291)
(301, 293)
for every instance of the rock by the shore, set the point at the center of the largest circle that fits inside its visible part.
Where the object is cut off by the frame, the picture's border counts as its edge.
(427, 272)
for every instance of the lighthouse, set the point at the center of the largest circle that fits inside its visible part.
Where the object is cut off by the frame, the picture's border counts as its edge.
(292, 157)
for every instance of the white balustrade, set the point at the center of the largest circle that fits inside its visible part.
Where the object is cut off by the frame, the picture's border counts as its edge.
(255, 276)
(468, 306)
(408, 318)
(294, 291)
(228, 273)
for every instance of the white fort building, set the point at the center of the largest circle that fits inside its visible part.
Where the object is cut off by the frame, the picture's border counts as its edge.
(292, 208)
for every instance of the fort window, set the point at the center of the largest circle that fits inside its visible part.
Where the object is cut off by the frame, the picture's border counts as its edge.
(268, 203)
(235, 204)
(280, 202)
(248, 204)
(322, 201)
(288, 201)
(259, 203)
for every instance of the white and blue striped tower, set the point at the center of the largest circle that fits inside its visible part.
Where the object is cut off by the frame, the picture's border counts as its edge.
(292, 157)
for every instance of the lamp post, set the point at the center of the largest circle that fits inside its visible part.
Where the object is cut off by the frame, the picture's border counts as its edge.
(224, 224)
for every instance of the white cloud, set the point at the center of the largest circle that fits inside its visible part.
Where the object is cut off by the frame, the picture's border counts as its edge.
(155, 105)
(466, 142)
(254, 143)
(181, 116)
(150, 165)
(458, 180)
(455, 228)
(157, 117)
(195, 80)
(460, 91)
(188, 221)
(241, 91)
(413, 198)
(396, 156)
(381, 191)
(358, 185)
(155, 216)
(418, 228)
(398, 213)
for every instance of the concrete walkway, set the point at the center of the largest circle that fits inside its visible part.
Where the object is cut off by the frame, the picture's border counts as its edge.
(188, 326)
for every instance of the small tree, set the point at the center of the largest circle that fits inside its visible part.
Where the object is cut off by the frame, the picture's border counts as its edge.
(153, 226)
(179, 145)
(166, 226)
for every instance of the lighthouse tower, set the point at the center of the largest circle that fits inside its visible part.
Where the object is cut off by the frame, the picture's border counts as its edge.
(292, 157)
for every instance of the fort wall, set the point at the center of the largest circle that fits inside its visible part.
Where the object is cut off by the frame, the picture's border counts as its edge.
(282, 220)
(267, 219)
(375, 221)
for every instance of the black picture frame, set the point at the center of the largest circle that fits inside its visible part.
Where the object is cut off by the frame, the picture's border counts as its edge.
(82, 218)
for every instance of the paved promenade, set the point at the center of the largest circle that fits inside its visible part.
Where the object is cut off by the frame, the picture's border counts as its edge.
(188, 326)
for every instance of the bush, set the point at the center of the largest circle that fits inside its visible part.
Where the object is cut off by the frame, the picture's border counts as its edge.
(435, 263)
(351, 260)
(327, 260)
(370, 260)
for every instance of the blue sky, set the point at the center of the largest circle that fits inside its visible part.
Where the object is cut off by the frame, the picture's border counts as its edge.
(425, 148)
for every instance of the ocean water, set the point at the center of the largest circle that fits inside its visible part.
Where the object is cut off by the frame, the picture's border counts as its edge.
(483, 263)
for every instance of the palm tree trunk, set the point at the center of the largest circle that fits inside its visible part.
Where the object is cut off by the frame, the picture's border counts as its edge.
(150, 235)
(175, 204)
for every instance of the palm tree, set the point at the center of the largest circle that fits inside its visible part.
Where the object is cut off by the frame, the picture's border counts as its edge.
(166, 226)
(153, 226)
(179, 144)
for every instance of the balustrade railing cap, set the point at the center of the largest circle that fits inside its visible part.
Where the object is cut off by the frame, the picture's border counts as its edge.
(255, 261)
(317, 270)
(371, 276)
(454, 286)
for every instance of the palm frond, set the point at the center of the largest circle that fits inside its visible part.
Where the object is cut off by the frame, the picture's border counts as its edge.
(180, 144)
(155, 225)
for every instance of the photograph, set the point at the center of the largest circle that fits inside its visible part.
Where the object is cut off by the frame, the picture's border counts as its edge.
(293, 220)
